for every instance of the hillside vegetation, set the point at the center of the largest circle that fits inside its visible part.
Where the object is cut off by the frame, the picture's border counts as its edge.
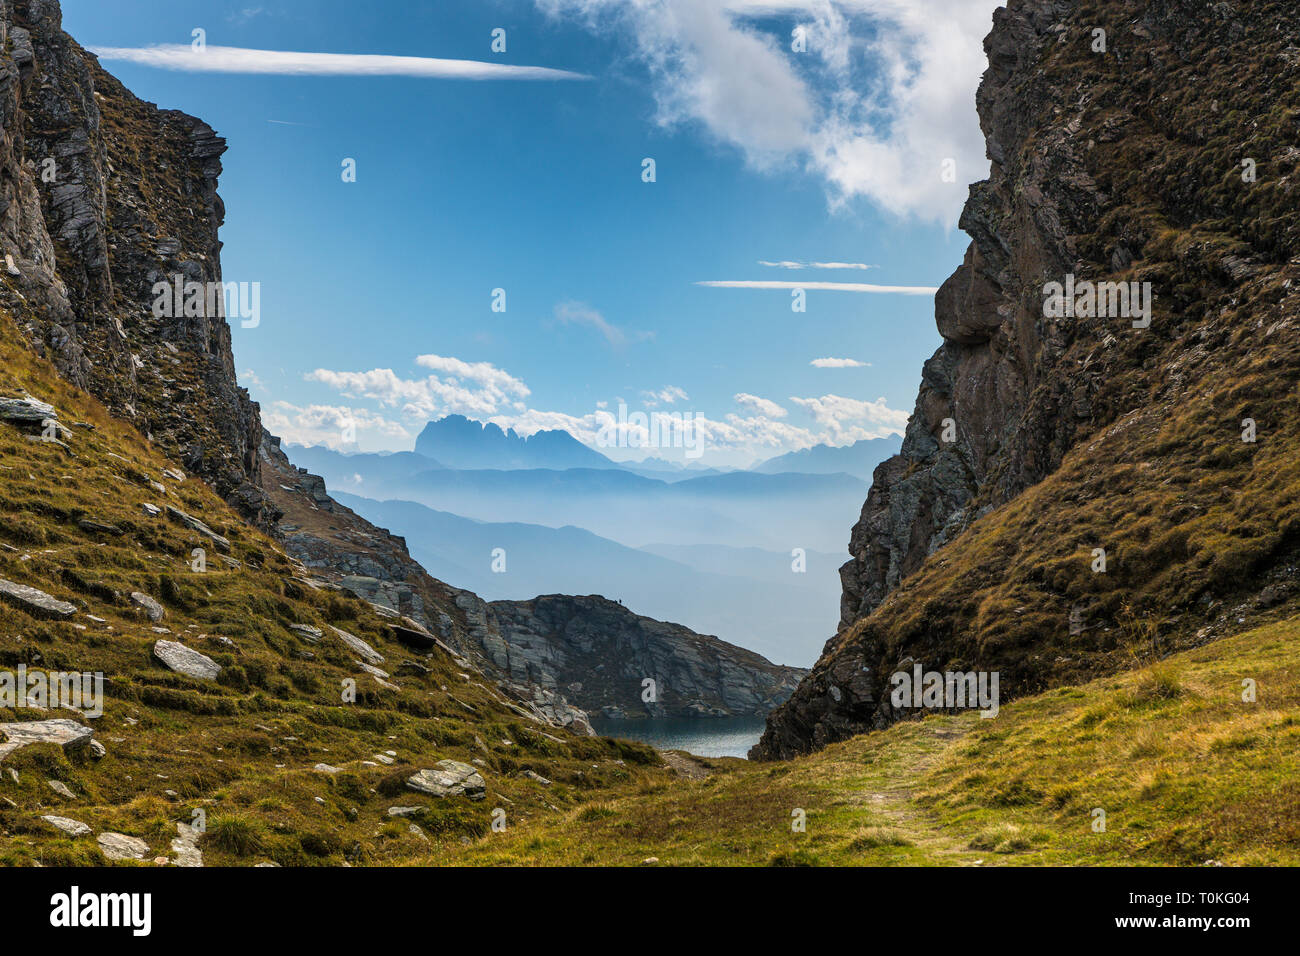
(1186, 772)
(242, 747)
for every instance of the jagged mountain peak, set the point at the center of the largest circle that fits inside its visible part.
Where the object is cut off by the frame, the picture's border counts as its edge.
(460, 442)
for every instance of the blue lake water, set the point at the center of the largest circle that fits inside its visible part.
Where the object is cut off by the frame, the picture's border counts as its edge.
(704, 737)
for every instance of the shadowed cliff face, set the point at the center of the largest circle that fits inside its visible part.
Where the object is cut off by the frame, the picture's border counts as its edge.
(1036, 438)
(101, 197)
(994, 382)
(599, 654)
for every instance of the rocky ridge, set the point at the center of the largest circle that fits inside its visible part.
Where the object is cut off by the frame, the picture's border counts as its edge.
(601, 655)
(1167, 158)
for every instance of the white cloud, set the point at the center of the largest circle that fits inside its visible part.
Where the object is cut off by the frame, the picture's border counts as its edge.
(838, 363)
(475, 390)
(848, 419)
(822, 286)
(229, 59)
(883, 96)
(335, 426)
(763, 406)
(484, 392)
(666, 396)
(789, 264)
(581, 314)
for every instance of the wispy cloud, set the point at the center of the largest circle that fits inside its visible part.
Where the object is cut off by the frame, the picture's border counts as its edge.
(247, 14)
(838, 363)
(789, 264)
(822, 286)
(580, 313)
(881, 105)
(667, 396)
(229, 59)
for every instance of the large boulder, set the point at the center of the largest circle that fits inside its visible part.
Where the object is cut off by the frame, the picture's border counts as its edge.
(364, 650)
(449, 778)
(184, 660)
(68, 734)
(34, 602)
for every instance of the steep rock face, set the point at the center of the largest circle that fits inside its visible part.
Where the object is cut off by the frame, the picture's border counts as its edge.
(599, 654)
(995, 380)
(101, 197)
(1169, 159)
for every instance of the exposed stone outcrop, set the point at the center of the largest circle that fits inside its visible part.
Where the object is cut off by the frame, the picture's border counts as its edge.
(102, 196)
(1160, 159)
(600, 655)
(186, 660)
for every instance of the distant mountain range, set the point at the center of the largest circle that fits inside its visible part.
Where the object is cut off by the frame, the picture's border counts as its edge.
(711, 549)
(748, 594)
(460, 442)
(859, 459)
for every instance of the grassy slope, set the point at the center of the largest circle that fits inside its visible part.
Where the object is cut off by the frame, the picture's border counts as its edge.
(1185, 770)
(241, 747)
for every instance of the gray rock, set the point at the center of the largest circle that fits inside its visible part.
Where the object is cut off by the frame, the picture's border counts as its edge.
(70, 827)
(194, 524)
(186, 846)
(27, 411)
(34, 602)
(68, 734)
(61, 789)
(403, 811)
(119, 846)
(151, 608)
(368, 653)
(184, 660)
(311, 635)
(326, 768)
(449, 778)
(537, 778)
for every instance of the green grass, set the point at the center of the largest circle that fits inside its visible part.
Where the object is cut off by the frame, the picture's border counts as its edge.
(241, 748)
(1185, 770)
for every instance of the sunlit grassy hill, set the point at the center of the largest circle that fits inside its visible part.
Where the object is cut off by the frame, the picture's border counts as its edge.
(1186, 772)
(240, 747)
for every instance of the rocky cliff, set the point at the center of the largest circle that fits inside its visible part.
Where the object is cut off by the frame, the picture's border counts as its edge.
(1148, 143)
(615, 663)
(102, 197)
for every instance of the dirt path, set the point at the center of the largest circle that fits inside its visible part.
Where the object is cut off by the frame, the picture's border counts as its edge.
(685, 764)
(892, 800)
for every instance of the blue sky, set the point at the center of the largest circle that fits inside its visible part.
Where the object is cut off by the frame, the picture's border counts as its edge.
(763, 155)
